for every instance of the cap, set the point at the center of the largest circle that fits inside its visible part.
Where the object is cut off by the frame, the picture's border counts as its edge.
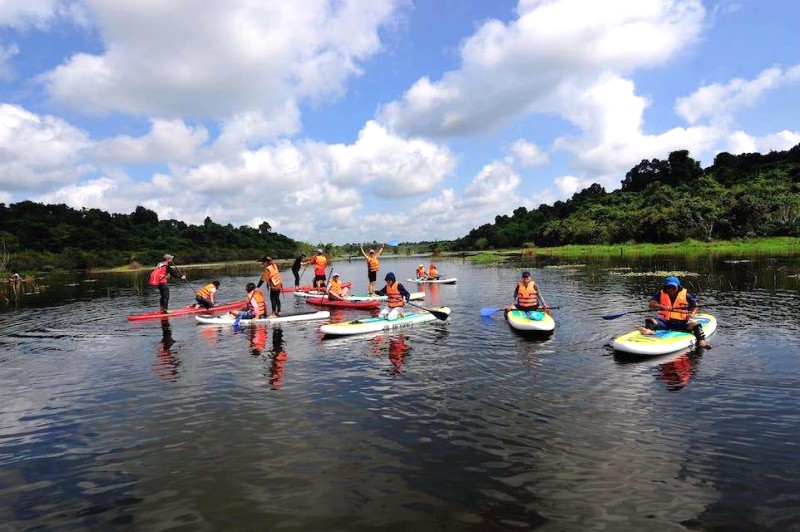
(421, 265)
(526, 274)
(168, 256)
(372, 251)
(335, 274)
(672, 281)
(266, 259)
(319, 251)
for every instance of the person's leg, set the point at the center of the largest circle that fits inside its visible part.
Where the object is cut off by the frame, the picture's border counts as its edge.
(275, 299)
(163, 290)
(296, 278)
(699, 334)
(651, 325)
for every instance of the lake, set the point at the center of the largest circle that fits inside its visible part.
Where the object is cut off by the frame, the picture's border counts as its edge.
(457, 425)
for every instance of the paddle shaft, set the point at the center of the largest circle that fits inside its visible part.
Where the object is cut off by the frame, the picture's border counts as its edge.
(437, 314)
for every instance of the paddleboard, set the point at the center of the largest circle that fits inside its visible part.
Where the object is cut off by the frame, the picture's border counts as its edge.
(305, 288)
(357, 297)
(530, 321)
(663, 341)
(446, 280)
(344, 303)
(185, 311)
(229, 320)
(370, 325)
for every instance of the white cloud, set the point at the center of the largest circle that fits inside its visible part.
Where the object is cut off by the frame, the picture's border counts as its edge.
(168, 140)
(39, 151)
(508, 70)
(204, 58)
(740, 142)
(527, 153)
(6, 54)
(720, 101)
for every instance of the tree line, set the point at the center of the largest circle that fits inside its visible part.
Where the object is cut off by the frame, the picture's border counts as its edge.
(662, 201)
(35, 235)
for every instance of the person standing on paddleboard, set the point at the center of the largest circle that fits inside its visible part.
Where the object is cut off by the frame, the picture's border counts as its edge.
(205, 296)
(527, 296)
(675, 308)
(160, 277)
(373, 265)
(396, 294)
(320, 263)
(298, 262)
(275, 283)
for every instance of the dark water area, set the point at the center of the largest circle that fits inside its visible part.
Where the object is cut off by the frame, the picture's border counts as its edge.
(457, 425)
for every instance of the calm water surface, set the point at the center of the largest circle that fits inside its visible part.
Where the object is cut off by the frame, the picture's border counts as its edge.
(462, 425)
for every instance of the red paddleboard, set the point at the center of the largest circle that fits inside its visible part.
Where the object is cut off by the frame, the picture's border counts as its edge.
(307, 288)
(325, 302)
(185, 311)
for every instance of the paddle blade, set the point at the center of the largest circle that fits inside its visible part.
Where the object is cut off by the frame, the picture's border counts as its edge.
(438, 314)
(487, 311)
(393, 243)
(613, 316)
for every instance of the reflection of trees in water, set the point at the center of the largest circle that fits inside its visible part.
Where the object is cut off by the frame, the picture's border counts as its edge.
(167, 363)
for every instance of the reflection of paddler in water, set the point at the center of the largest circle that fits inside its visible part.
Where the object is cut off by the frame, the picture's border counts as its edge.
(397, 350)
(279, 358)
(167, 363)
(258, 340)
(677, 372)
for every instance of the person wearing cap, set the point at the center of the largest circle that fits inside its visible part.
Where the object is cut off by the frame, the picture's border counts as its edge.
(527, 296)
(373, 265)
(320, 262)
(433, 273)
(420, 273)
(274, 281)
(675, 308)
(205, 296)
(396, 297)
(336, 291)
(160, 278)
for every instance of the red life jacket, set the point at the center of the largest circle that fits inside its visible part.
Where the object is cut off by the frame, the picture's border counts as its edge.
(159, 275)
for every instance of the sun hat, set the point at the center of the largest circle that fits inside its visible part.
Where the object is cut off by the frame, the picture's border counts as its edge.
(319, 251)
(372, 251)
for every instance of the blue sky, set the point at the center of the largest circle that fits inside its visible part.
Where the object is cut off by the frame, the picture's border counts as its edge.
(360, 120)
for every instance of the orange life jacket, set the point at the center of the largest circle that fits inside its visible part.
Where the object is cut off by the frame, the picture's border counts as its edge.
(393, 295)
(335, 288)
(373, 264)
(432, 272)
(527, 296)
(420, 273)
(680, 302)
(320, 263)
(256, 305)
(273, 277)
(206, 291)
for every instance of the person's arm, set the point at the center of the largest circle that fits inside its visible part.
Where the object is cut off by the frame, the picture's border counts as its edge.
(655, 303)
(172, 270)
(381, 292)
(378, 254)
(403, 291)
(692, 304)
(362, 252)
(264, 277)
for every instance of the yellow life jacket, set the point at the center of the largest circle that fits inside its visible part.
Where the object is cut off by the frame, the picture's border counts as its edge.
(373, 264)
(527, 296)
(206, 291)
(257, 305)
(680, 302)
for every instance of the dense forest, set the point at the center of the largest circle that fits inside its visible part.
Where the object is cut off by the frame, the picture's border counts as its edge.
(33, 235)
(660, 201)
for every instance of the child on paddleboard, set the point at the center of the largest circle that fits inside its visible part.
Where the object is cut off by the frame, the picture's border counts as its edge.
(675, 308)
(396, 294)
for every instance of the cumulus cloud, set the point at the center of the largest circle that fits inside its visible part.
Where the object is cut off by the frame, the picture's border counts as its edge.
(740, 142)
(168, 140)
(508, 70)
(719, 101)
(527, 153)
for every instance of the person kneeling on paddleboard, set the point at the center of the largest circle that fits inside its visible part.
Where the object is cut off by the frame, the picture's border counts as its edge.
(205, 296)
(255, 306)
(527, 296)
(675, 309)
(396, 294)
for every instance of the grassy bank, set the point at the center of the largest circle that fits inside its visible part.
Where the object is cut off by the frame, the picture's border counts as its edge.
(772, 246)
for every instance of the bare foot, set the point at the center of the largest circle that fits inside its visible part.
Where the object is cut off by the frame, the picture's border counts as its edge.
(645, 331)
(702, 344)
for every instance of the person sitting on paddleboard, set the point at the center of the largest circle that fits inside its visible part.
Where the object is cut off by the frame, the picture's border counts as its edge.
(433, 273)
(373, 265)
(274, 281)
(675, 309)
(420, 273)
(254, 307)
(396, 294)
(205, 296)
(160, 277)
(527, 296)
(320, 262)
(336, 291)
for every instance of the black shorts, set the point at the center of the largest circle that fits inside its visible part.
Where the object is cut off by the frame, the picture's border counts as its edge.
(319, 278)
(372, 276)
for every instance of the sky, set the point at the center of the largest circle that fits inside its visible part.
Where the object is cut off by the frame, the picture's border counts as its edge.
(340, 121)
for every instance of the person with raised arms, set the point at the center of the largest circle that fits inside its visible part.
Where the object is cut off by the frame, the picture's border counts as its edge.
(675, 308)
(373, 265)
(396, 294)
(274, 281)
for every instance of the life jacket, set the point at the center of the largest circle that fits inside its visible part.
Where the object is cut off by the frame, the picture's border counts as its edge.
(275, 280)
(206, 291)
(432, 272)
(527, 296)
(257, 305)
(160, 274)
(373, 264)
(320, 263)
(680, 302)
(393, 295)
(420, 273)
(335, 288)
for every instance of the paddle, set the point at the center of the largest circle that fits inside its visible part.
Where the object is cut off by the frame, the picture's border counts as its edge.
(488, 311)
(620, 314)
(438, 314)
